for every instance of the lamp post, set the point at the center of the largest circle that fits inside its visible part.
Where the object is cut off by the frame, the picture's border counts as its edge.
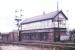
(18, 19)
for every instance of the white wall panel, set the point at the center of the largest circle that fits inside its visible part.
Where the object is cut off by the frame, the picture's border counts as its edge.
(38, 25)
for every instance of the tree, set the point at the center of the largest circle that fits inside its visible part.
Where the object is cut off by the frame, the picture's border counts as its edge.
(72, 35)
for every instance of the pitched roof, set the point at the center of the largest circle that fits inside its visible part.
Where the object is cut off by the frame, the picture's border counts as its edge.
(47, 16)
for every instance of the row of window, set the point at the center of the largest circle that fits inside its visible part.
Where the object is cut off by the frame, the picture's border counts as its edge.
(35, 36)
(37, 25)
(43, 24)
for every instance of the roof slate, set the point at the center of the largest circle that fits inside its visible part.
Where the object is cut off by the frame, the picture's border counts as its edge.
(47, 16)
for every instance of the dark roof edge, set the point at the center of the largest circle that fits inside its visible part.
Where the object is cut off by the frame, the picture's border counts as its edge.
(63, 14)
(36, 21)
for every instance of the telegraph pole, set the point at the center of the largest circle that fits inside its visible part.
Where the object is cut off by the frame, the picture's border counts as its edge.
(57, 33)
(58, 21)
(18, 19)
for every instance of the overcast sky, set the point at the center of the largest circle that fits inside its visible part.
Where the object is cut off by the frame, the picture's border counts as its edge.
(32, 8)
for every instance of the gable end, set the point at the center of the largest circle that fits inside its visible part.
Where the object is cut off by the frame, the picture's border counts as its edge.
(62, 14)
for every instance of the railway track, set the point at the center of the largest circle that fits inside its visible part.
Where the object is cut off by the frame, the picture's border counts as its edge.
(41, 44)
